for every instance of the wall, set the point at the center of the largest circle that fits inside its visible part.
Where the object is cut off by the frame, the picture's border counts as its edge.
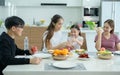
(45, 12)
(3, 12)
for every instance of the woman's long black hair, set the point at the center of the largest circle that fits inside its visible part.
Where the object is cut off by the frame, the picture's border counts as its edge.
(51, 29)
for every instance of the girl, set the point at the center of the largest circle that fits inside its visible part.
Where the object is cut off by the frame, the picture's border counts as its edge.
(75, 38)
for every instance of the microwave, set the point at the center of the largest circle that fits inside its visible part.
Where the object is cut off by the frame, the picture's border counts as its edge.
(91, 11)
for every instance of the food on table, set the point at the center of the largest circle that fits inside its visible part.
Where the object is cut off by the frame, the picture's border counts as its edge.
(80, 51)
(85, 55)
(69, 48)
(34, 49)
(63, 52)
(60, 54)
(50, 51)
(104, 54)
(103, 51)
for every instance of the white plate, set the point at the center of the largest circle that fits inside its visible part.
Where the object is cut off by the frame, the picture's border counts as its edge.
(83, 58)
(42, 55)
(64, 64)
(23, 56)
(117, 52)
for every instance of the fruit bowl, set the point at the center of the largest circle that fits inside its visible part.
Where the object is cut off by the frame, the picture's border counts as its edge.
(60, 57)
(80, 51)
(60, 54)
(84, 59)
(104, 54)
(83, 56)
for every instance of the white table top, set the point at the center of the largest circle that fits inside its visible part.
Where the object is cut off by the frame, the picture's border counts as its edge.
(94, 66)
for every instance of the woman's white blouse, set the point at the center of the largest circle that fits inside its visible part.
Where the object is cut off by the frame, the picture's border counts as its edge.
(56, 39)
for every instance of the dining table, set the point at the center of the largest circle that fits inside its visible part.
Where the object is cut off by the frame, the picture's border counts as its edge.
(48, 66)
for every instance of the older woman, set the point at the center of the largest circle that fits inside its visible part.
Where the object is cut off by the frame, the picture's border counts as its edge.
(106, 37)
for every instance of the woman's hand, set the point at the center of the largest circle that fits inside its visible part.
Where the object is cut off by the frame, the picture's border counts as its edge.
(69, 46)
(35, 60)
(99, 30)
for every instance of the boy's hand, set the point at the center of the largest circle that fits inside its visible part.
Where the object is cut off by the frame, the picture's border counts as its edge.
(35, 60)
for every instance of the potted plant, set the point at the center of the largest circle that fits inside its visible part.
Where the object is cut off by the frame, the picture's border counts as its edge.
(91, 25)
(1, 23)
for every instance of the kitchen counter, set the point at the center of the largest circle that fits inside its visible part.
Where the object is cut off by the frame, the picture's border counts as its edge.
(94, 66)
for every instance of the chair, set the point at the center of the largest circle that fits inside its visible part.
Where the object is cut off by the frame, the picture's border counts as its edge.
(84, 46)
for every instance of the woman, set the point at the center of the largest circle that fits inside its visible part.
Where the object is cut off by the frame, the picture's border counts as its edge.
(53, 38)
(107, 38)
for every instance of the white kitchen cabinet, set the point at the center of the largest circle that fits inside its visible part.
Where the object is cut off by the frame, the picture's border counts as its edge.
(110, 10)
(70, 3)
(23, 2)
(106, 11)
(117, 16)
(74, 3)
(53, 1)
(90, 37)
(91, 3)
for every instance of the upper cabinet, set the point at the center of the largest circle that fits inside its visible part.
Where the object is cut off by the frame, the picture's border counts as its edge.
(2, 2)
(91, 3)
(23, 2)
(71, 3)
(74, 3)
(110, 10)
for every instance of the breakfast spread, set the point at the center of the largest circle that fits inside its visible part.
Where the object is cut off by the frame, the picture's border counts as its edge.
(60, 54)
(104, 54)
(82, 53)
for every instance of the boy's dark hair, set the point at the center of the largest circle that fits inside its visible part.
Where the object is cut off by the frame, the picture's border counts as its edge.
(76, 27)
(14, 21)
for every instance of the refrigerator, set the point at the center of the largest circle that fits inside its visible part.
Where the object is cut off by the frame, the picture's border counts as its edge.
(110, 9)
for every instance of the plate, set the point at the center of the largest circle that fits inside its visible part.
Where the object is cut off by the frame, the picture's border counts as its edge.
(64, 64)
(105, 57)
(42, 55)
(23, 56)
(117, 52)
(83, 58)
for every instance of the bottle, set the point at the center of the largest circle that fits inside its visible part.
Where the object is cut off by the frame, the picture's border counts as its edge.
(33, 21)
(26, 43)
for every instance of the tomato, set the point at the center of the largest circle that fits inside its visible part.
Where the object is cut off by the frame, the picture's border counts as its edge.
(34, 49)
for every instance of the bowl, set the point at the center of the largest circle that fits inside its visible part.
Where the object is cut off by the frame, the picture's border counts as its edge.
(60, 57)
(105, 56)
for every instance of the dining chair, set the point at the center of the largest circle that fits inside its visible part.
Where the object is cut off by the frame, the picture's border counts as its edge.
(84, 46)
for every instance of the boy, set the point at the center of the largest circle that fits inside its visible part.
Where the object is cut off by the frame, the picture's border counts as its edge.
(8, 48)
